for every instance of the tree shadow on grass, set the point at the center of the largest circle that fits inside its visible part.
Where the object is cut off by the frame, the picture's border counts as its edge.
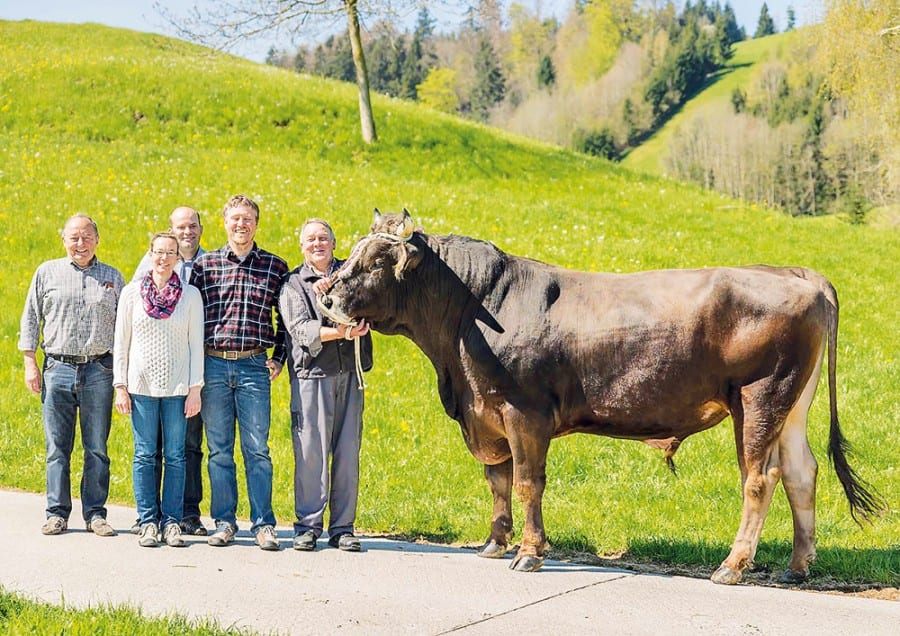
(836, 570)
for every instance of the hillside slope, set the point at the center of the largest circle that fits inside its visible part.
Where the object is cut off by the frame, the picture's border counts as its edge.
(126, 126)
(748, 55)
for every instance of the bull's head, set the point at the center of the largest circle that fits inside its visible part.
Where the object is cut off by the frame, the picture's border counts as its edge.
(369, 285)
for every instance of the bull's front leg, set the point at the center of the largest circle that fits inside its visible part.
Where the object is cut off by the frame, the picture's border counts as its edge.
(529, 479)
(499, 477)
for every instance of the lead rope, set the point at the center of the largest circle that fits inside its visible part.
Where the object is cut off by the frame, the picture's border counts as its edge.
(357, 353)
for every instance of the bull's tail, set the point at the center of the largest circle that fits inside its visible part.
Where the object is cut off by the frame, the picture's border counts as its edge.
(865, 503)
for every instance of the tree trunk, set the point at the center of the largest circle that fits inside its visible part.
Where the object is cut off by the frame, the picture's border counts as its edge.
(366, 120)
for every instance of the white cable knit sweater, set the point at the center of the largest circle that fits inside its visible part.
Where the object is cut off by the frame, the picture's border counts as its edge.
(158, 358)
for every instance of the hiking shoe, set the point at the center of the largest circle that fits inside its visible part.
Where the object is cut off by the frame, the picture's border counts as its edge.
(223, 535)
(135, 527)
(193, 526)
(101, 527)
(54, 525)
(149, 535)
(172, 534)
(345, 541)
(305, 542)
(266, 539)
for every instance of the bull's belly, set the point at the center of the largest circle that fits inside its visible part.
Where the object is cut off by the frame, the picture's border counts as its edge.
(650, 424)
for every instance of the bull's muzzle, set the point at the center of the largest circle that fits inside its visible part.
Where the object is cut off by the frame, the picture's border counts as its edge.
(329, 308)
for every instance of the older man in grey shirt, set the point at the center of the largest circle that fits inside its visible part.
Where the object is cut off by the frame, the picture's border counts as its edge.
(72, 302)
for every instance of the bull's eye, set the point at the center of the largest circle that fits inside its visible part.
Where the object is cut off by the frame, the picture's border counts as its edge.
(379, 263)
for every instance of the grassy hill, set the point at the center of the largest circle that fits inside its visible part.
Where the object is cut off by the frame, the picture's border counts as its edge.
(748, 55)
(126, 126)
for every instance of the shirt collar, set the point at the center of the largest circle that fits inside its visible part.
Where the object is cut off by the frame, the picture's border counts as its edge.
(90, 264)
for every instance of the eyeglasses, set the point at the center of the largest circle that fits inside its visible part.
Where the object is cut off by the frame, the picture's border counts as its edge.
(164, 253)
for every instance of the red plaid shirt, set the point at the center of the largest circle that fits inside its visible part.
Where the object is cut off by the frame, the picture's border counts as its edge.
(238, 299)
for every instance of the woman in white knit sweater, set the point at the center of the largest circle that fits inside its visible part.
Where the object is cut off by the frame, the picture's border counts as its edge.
(158, 373)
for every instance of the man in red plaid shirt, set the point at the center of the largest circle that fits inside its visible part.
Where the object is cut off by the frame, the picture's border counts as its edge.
(240, 284)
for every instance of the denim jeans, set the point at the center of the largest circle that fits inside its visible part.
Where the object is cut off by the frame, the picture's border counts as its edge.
(148, 415)
(193, 461)
(238, 390)
(81, 392)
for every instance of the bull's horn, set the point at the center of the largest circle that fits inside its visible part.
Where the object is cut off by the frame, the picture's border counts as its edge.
(406, 230)
(377, 215)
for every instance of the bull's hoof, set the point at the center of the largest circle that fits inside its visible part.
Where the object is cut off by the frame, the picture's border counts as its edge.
(790, 577)
(726, 576)
(526, 563)
(492, 550)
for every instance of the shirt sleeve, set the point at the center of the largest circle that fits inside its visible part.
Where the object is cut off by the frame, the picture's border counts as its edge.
(30, 325)
(195, 336)
(294, 311)
(122, 338)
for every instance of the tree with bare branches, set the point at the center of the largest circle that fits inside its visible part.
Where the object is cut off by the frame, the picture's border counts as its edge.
(225, 24)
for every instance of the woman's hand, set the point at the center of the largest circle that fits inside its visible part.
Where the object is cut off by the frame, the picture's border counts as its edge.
(192, 402)
(123, 400)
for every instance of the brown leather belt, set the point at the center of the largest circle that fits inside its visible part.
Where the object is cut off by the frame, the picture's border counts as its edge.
(233, 355)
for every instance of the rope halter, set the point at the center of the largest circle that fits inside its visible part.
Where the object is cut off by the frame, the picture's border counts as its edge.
(402, 235)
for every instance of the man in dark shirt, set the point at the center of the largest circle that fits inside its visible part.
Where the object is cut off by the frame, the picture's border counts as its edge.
(240, 284)
(326, 398)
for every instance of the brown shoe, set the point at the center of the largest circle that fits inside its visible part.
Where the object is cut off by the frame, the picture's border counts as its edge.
(54, 525)
(101, 527)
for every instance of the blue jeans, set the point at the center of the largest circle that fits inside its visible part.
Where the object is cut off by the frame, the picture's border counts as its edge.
(81, 392)
(193, 461)
(148, 416)
(238, 390)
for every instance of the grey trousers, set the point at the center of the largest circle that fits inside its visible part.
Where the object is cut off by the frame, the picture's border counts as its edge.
(326, 420)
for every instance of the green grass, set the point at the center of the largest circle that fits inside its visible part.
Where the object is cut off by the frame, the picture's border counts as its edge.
(19, 615)
(648, 157)
(126, 126)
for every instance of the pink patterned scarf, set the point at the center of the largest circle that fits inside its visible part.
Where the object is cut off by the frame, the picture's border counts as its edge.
(160, 303)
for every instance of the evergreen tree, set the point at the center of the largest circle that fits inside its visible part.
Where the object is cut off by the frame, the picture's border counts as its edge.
(765, 26)
(546, 76)
(489, 83)
(791, 19)
(735, 32)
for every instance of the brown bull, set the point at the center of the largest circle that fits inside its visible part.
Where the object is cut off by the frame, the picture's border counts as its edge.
(525, 352)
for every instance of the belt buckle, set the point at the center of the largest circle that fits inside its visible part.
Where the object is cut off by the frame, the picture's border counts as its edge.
(231, 355)
(82, 359)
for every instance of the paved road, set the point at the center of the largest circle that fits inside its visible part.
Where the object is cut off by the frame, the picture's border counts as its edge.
(396, 588)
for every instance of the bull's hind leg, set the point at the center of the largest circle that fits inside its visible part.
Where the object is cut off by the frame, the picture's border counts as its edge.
(799, 469)
(499, 478)
(759, 458)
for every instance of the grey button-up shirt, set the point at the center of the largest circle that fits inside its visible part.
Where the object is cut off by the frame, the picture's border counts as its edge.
(74, 308)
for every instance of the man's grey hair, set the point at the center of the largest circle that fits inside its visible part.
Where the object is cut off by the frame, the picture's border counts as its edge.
(321, 222)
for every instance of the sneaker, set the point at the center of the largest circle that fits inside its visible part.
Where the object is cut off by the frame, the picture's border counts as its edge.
(149, 535)
(305, 542)
(101, 527)
(266, 539)
(345, 541)
(193, 526)
(135, 527)
(54, 525)
(172, 535)
(223, 535)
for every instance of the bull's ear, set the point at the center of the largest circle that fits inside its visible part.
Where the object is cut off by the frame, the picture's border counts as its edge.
(410, 257)
(377, 216)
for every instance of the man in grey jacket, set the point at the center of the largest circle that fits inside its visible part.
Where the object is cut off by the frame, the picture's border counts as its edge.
(326, 399)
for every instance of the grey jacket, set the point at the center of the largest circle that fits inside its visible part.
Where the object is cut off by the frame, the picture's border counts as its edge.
(309, 357)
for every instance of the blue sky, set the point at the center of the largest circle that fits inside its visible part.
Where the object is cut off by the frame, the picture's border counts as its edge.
(141, 15)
